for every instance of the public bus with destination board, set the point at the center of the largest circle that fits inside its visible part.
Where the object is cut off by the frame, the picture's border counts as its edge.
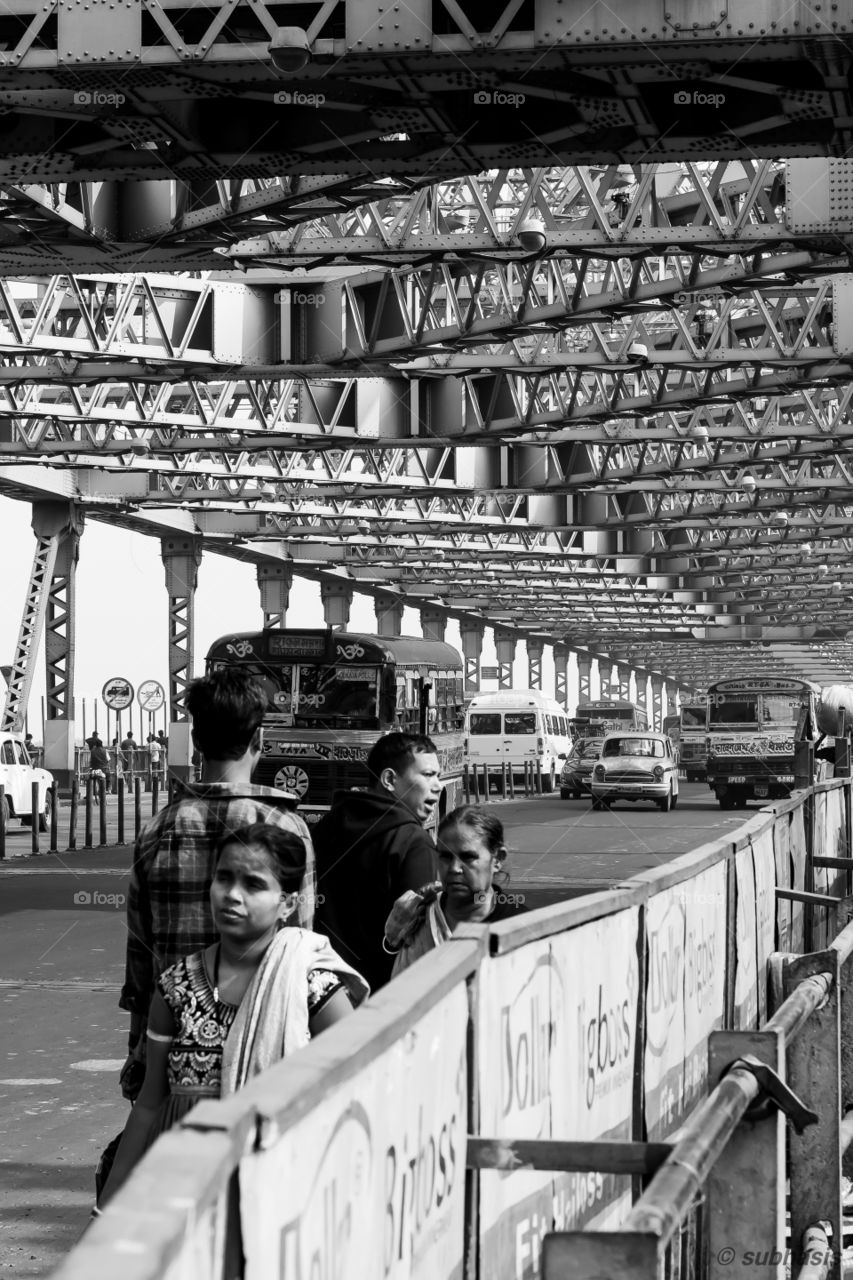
(607, 715)
(331, 694)
(752, 726)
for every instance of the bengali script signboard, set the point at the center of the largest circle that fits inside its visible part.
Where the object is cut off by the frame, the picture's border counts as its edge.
(371, 1182)
(557, 1035)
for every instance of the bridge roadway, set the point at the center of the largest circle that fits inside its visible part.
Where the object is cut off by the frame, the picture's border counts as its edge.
(61, 964)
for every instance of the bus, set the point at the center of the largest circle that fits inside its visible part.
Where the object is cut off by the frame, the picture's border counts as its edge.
(514, 727)
(691, 738)
(608, 715)
(752, 724)
(331, 694)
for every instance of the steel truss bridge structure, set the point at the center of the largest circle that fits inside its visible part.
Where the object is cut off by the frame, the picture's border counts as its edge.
(533, 314)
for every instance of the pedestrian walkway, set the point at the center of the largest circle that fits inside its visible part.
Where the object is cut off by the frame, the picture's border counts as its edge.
(61, 968)
(19, 838)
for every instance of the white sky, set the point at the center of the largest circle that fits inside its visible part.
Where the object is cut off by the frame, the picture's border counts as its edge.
(122, 613)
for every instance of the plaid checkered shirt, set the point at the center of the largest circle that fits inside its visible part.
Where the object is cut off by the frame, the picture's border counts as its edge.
(168, 905)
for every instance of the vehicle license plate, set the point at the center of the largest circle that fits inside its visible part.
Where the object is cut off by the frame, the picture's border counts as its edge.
(737, 777)
(760, 790)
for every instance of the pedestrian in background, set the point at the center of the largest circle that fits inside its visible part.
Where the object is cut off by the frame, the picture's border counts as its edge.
(154, 753)
(371, 847)
(118, 762)
(128, 747)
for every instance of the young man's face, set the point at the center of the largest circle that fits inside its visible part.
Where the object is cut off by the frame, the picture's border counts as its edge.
(419, 785)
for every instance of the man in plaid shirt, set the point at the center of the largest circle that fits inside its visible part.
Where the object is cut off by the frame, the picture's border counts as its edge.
(168, 905)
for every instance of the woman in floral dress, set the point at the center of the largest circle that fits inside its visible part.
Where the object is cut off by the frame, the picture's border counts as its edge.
(224, 1014)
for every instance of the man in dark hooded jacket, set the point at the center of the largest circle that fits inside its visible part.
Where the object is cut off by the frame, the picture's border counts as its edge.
(371, 847)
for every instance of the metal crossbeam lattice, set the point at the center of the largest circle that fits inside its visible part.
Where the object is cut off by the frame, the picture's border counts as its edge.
(35, 607)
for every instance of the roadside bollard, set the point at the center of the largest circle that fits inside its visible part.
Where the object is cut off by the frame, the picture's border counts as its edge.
(503, 779)
(486, 783)
(121, 811)
(87, 837)
(102, 811)
(538, 778)
(466, 785)
(2, 821)
(72, 821)
(155, 795)
(511, 782)
(54, 817)
(34, 812)
(137, 806)
(527, 778)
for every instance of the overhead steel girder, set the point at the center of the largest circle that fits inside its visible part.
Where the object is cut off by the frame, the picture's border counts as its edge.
(611, 211)
(151, 92)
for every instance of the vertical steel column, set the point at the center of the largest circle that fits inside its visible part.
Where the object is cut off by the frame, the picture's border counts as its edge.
(181, 557)
(389, 613)
(472, 633)
(605, 672)
(20, 677)
(561, 675)
(433, 623)
(623, 677)
(671, 689)
(642, 680)
(505, 642)
(657, 701)
(336, 594)
(535, 650)
(584, 679)
(66, 522)
(274, 581)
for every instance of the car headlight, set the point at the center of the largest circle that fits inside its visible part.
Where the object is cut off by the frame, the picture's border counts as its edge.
(658, 773)
(599, 772)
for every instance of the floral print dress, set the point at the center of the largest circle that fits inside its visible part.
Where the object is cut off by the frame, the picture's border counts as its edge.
(201, 1027)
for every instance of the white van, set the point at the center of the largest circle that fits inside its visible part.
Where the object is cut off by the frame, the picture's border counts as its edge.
(514, 726)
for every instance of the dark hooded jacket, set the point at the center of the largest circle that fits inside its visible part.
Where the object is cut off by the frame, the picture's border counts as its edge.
(369, 848)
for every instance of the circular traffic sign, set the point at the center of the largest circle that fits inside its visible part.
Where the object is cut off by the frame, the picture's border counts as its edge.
(151, 695)
(117, 693)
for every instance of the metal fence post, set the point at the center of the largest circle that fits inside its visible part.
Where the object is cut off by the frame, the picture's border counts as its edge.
(2, 821)
(538, 777)
(511, 782)
(102, 811)
(72, 819)
(137, 806)
(814, 1074)
(53, 792)
(121, 811)
(155, 794)
(503, 779)
(466, 784)
(34, 818)
(87, 838)
(740, 1223)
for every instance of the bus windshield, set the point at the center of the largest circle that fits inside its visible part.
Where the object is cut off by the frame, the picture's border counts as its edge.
(692, 717)
(308, 695)
(736, 709)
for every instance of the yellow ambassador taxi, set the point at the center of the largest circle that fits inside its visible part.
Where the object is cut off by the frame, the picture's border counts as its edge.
(640, 765)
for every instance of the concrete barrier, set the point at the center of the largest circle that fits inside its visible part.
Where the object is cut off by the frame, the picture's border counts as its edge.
(518, 1081)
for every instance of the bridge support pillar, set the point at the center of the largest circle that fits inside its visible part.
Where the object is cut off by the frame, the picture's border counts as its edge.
(605, 672)
(584, 679)
(433, 623)
(472, 648)
(535, 650)
(623, 677)
(336, 594)
(561, 675)
(274, 581)
(389, 613)
(181, 558)
(642, 681)
(505, 642)
(64, 522)
(657, 702)
(671, 690)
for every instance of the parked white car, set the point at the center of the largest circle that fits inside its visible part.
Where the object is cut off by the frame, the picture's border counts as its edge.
(636, 766)
(17, 775)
